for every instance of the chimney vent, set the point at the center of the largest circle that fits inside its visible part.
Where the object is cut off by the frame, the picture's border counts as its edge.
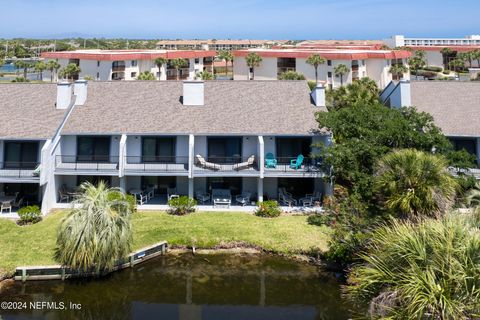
(193, 93)
(64, 94)
(318, 95)
(80, 91)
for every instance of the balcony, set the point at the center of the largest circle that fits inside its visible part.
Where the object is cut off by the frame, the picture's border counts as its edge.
(19, 172)
(120, 68)
(86, 164)
(226, 166)
(287, 167)
(156, 165)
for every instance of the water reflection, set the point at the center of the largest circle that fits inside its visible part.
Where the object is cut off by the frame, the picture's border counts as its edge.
(206, 287)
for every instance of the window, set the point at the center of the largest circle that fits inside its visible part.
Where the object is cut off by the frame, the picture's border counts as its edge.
(232, 183)
(133, 75)
(159, 183)
(95, 149)
(329, 74)
(94, 179)
(224, 150)
(158, 149)
(98, 63)
(197, 60)
(21, 154)
(289, 148)
(329, 62)
(98, 75)
(134, 63)
(286, 64)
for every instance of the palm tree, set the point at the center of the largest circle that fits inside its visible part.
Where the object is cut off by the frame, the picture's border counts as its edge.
(414, 183)
(457, 66)
(146, 76)
(53, 67)
(40, 66)
(226, 56)
(177, 64)
(97, 231)
(70, 71)
(19, 64)
(253, 60)
(315, 60)
(397, 70)
(205, 75)
(417, 61)
(425, 270)
(476, 56)
(341, 70)
(466, 56)
(160, 62)
(446, 53)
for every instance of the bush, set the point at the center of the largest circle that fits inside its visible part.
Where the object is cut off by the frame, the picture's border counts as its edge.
(20, 79)
(291, 75)
(426, 74)
(320, 220)
(312, 84)
(432, 68)
(446, 71)
(30, 214)
(268, 209)
(182, 205)
(118, 195)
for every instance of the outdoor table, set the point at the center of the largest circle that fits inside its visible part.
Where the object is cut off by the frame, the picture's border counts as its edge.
(7, 199)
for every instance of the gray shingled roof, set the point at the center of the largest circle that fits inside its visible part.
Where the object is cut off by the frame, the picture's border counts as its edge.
(27, 111)
(231, 107)
(454, 105)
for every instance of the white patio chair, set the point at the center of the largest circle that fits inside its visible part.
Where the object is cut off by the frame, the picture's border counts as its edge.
(141, 198)
(6, 205)
(243, 198)
(172, 193)
(202, 197)
(18, 204)
(244, 165)
(201, 162)
(63, 196)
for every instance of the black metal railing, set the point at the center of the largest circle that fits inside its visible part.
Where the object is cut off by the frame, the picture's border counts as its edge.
(86, 162)
(10, 169)
(226, 164)
(156, 163)
(293, 164)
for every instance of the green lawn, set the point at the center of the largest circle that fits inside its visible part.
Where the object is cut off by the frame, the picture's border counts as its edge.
(33, 245)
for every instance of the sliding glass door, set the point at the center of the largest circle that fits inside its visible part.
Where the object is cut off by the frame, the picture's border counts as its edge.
(93, 149)
(225, 150)
(19, 154)
(158, 149)
(289, 148)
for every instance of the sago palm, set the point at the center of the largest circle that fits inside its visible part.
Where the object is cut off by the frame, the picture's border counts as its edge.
(97, 231)
(315, 60)
(413, 183)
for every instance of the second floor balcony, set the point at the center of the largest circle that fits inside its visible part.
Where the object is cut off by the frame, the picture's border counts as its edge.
(234, 165)
(156, 165)
(19, 171)
(292, 166)
(87, 164)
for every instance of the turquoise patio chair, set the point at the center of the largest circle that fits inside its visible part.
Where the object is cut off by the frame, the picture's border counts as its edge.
(296, 163)
(270, 161)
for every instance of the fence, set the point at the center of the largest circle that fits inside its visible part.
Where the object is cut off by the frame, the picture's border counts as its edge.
(58, 272)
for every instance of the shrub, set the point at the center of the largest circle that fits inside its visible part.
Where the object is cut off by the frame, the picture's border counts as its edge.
(30, 214)
(20, 79)
(320, 219)
(182, 205)
(291, 75)
(118, 195)
(268, 209)
(446, 71)
(433, 68)
(426, 74)
(312, 84)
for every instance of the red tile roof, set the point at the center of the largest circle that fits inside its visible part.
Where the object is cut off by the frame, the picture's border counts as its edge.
(112, 55)
(331, 54)
(438, 48)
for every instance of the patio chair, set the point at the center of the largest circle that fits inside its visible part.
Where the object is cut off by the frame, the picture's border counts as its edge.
(150, 193)
(18, 204)
(297, 163)
(6, 205)
(221, 197)
(244, 165)
(172, 193)
(63, 196)
(286, 198)
(141, 198)
(243, 198)
(270, 161)
(316, 196)
(202, 163)
(202, 197)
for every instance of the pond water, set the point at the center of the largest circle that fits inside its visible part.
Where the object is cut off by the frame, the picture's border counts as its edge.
(206, 287)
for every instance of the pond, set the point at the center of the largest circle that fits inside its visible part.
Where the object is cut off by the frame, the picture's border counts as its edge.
(207, 287)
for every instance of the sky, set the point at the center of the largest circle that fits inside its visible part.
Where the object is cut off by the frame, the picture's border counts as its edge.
(239, 19)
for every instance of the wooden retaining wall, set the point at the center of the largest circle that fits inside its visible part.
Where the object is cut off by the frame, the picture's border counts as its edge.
(57, 272)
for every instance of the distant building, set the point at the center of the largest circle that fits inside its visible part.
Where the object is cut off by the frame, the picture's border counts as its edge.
(402, 41)
(362, 61)
(213, 44)
(106, 65)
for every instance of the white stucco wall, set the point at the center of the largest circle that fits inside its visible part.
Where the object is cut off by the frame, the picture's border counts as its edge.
(434, 58)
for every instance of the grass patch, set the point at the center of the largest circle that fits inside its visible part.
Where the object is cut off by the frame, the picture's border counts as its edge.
(34, 244)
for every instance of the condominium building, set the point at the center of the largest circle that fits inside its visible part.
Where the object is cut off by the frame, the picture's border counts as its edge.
(402, 41)
(213, 44)
(453, 105)
(223, 142)
(361, 62)
(105, 65)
